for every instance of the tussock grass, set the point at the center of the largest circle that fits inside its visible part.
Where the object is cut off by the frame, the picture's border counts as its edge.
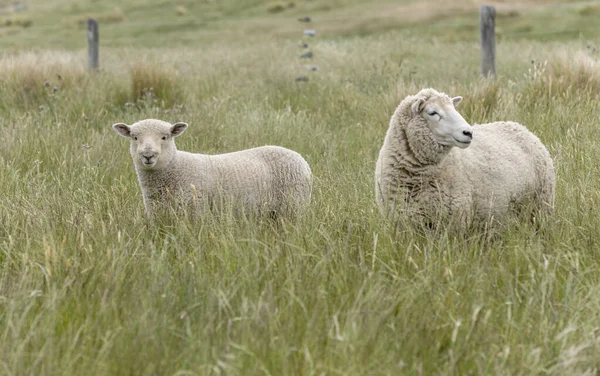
(32, 79)
(155, 84)
(115, 16)
(483, 99)
(180, 10)
(564, 75)
(88, 285)
(563, 83)
(589, 9)
(574, 73)
(18, 21)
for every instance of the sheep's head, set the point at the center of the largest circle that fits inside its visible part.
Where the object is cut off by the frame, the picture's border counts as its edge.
(446, 125)
(152, 145)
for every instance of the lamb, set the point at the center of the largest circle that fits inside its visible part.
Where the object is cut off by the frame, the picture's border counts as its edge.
(434, 166)
(265, 180)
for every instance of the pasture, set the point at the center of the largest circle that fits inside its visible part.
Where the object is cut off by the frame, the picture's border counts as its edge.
(89, 286)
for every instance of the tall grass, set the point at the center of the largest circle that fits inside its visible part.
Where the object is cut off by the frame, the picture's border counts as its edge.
(151, 83)
(89, 286)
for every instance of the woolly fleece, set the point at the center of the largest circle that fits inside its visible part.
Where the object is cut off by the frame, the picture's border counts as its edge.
(505, 167)
(269, 180)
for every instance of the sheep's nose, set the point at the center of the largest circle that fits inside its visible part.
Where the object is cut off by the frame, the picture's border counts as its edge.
(468, 134)
(148, 155)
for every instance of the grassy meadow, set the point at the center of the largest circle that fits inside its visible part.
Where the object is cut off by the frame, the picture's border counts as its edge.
(89, 286)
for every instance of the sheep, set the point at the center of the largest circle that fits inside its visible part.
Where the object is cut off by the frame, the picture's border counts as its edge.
(433, 166)
(265, 180)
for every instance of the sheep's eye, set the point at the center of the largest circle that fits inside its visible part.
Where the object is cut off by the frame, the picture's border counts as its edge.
(135, 138)
(164, 138)
(432, 113)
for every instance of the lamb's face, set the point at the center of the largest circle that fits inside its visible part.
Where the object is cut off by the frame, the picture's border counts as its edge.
(152, 145)
(447, 126)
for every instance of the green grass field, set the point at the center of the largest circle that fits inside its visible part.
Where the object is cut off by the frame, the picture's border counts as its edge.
(89, 286)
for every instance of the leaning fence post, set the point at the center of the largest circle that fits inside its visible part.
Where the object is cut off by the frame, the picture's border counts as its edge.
(92, 37)
(487, 16)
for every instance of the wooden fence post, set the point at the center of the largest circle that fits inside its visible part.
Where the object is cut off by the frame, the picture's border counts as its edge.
(92, 37)
(487, 16)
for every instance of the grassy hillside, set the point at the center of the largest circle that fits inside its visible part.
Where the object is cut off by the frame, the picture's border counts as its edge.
(143, 23)
(89, 286)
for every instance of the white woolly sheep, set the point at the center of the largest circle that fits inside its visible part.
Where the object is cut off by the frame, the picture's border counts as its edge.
(434, 165)
(266, 180)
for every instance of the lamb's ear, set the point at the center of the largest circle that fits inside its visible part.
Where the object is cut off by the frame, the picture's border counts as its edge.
(418, 106)
(456, 101)
(178, 129)
(122, 129)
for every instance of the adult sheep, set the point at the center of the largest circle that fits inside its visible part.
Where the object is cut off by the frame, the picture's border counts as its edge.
(434, 166)
(265, 180)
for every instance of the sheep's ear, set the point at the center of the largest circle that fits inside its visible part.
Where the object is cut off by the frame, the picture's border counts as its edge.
(418, 106)
(178, 129)
(122, 129)
(456, 101)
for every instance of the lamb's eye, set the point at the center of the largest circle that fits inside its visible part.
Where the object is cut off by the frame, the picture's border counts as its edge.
(164, 138)
(135, 138)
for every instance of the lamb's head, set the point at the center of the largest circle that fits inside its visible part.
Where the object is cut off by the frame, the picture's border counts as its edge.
(152, 146)
(438, 112)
